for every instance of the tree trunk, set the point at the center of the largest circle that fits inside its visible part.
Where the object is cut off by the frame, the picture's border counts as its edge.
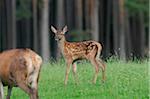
(11, 23)
(70, 16)
(86, 15)
(101, 21)
(45, 31)
(142, 32)
(1, 25)
(115, 27)
(34, 18)
(133, 34)
(94, 19)
(79, 14)
(4, 27)
(60, 14)
(108, 27)
(128, 36)
(28, 34)
(122, 30)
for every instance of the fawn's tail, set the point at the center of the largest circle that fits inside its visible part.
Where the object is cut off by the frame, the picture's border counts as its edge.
(99, 49)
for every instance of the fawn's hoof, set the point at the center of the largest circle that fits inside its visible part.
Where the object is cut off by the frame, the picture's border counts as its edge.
(103, 81)
(93, 82)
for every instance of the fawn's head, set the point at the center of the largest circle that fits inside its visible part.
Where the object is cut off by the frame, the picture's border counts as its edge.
(59, 34)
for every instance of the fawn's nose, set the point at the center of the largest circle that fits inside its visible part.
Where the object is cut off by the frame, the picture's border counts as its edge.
(56, 38)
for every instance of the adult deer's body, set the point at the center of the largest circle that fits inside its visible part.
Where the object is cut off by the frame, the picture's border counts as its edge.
(20, 67)
(73, 51)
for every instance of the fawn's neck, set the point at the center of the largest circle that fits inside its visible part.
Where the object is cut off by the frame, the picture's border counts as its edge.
(61, 44)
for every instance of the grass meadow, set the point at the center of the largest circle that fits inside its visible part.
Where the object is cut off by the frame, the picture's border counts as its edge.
(124, 81)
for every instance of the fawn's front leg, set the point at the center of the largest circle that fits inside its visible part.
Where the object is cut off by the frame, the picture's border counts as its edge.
(74, 69)
(69, 62)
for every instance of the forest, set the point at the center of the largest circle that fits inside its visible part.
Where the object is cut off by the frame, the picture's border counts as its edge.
(121, 26)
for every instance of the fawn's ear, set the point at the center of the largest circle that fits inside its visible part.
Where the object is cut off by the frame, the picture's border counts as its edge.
(65, 29)
(53, 29)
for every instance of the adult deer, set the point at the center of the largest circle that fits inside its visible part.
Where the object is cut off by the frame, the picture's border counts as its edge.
(20, 67)
(73, 51)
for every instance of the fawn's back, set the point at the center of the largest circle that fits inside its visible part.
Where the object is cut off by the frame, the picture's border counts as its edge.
(81, 50)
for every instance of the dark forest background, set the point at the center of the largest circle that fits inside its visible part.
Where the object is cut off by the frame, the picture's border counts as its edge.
(121, 26)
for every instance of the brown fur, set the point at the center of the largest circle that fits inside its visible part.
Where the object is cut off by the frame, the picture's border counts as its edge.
(73, 51)
(20, 67)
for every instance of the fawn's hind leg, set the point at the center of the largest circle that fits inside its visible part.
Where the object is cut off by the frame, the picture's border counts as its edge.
(103, 67)
(95, 64)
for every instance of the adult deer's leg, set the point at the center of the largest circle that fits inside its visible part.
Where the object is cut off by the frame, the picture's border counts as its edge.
(103, 67)
(69, 62)
(1, 90)
(9, 92)
(26, 89)
(95, 64)
(74, 69)
(22, 83)
(35, 91)
(34, 83)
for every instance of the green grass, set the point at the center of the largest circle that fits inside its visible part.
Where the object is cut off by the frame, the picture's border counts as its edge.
(124, 81)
